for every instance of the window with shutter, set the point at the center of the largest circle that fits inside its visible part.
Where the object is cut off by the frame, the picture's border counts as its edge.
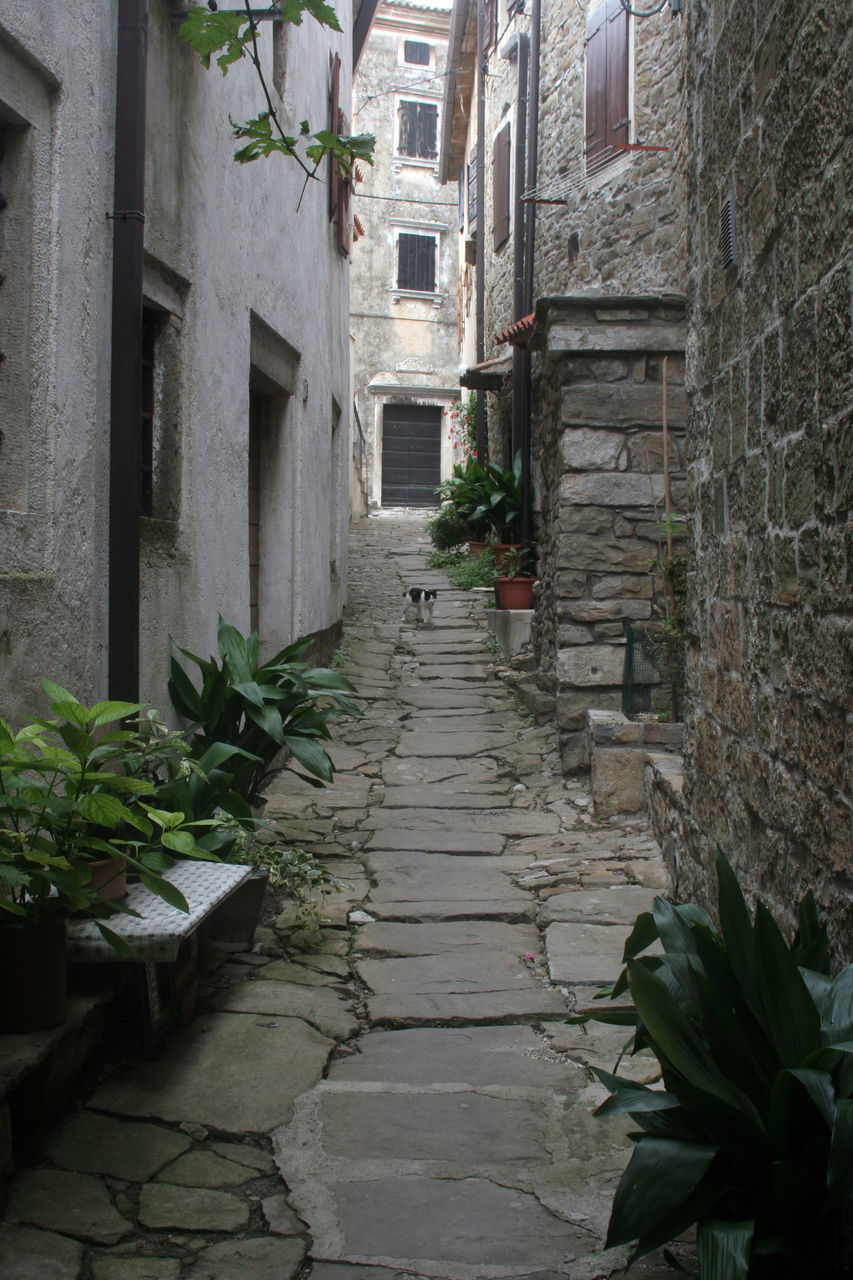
(418, 130)
(607, 107)
(416, 262)
(461, 190)
(472, 188)
(500, 187)
(415, 52)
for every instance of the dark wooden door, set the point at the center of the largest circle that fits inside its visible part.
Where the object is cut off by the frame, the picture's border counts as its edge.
(411, 455)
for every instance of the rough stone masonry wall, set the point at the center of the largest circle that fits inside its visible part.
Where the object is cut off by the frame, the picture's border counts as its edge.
(630, 228)
(770, 439)
(599, 468)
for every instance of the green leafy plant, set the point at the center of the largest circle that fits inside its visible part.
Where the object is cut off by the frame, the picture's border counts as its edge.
(73, 791)
(473, 571)
(447, 528)
(515, 562)
(488, 500)
(266, 712)
(295, 872)
(751, 1137)
(234, 35)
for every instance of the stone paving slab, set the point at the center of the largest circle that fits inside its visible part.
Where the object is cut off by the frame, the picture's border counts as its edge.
(529, 1005)
(442, 798)
(406, 771)
(513, 822)
(467, 972)
(429, 698)
(434, 841)
(464, 744)
(235, 1072)
(27, 1254)
(89, 1143)
(584, 953)
(388, 939)
(267, 1258)
(321, 1007)
(163, 1207)
(618, 905)
(74, 1204)
(483, 1056)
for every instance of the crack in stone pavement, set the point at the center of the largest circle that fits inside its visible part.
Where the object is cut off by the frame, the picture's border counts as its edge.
(427, 1104)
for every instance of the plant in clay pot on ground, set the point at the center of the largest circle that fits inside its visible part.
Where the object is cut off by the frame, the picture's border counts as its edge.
(513, 584)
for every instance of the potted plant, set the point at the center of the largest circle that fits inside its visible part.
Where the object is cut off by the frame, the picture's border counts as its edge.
(513, 586)
(751, 1136)
(466, 491)
(72, 795)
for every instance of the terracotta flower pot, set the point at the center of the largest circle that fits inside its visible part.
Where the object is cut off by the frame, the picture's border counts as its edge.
(502, 550)
(514, 593)
(475, 548)
(32, 961)
(109, 877)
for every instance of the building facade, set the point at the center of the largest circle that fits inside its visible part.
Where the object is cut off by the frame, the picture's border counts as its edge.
(238, 456)
(403, 308)
(566, 137)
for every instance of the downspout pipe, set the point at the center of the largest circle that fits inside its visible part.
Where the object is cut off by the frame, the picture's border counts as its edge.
(518, 48)
(128, 219)
(480, 238)
(523, 370)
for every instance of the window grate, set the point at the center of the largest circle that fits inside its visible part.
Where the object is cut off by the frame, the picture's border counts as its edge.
(728, 232)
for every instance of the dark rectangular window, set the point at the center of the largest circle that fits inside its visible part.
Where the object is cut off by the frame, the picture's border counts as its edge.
(416, 52)
(607, 114)
(462, 199)
(151, 321)
(472, 188)
(416, 262)
(418, 130)
(500, 187)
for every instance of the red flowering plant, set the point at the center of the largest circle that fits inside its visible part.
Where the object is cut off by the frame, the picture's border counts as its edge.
(463, 425)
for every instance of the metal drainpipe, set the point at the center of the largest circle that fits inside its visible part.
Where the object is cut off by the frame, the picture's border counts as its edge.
(128, 235)
(518, 48)
(523, 369)
(480, 238)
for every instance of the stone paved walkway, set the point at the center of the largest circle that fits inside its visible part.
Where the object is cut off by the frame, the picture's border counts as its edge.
(409, 1101)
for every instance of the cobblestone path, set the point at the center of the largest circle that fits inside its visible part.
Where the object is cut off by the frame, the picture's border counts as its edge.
(408, 1101)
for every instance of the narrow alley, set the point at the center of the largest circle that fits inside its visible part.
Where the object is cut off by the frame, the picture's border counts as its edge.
(408, 1100)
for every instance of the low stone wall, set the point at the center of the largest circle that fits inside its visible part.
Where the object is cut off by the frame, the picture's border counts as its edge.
(609, 365)
(618, 749)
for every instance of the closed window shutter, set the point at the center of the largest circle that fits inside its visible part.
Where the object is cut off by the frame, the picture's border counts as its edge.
(617, 74)
(418, 130)
(334, 108)
(416, 263)
(415, 52)
(472, 188)
(461, 190)
(500, 181)
(606, 81)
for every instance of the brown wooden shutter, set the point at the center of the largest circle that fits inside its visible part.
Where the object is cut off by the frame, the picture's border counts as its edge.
(617, 74)
(596, 84)
(500, 186)
(427, 130)
(416, 262)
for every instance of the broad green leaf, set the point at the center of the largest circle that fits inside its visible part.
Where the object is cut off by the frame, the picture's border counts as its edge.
(836, 1008)
(670, 1029)
(810, 944)
(818, 1085)
(839, 1175)
(107, 712)
(253, 649)
(627, 1096)
(311, 755)
(105, 810)
(660, 1176)
(324, 678)
(643, 934)
(180, 841)
(232, 651)
(183, 692)
(163, 889)
(56, 693)
(738, 933)
(209, 32)
(110, 936)
(791, 1018)
(723, 1249)
(268, 719)
(292, 11)
(250, 690)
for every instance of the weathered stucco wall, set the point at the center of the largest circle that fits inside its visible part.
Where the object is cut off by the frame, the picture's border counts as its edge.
(405, 347)
(770, 759)
(246, 289)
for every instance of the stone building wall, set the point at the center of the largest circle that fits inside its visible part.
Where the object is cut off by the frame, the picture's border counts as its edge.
(770, 441)
(625, 230)
(599, 470)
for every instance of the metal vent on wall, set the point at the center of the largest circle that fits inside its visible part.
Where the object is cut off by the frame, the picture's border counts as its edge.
(728, 238)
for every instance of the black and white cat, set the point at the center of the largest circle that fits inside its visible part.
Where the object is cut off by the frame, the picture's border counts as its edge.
(420, 598)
